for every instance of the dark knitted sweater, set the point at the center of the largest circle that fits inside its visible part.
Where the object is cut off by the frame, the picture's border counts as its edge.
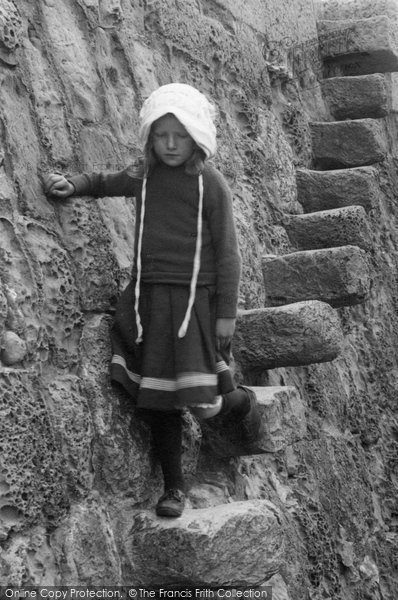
(170, 227)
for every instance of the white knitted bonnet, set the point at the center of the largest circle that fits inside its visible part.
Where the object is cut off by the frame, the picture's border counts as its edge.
(189, 106)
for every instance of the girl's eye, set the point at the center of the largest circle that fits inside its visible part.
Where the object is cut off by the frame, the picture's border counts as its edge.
(164, 135)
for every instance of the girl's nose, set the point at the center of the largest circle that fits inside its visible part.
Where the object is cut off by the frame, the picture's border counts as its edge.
(171, 142)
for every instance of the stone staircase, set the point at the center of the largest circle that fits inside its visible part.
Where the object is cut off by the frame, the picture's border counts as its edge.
(327, 268)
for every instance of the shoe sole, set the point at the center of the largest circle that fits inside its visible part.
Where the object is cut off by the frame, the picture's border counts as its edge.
(168, 512)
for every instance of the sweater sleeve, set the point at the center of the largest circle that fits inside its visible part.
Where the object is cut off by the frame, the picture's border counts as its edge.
(100, 185)
(218, 207)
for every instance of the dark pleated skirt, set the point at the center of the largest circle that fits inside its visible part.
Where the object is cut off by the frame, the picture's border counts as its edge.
(165, 372)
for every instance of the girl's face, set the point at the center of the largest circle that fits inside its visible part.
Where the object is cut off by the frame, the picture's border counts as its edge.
(172, 143)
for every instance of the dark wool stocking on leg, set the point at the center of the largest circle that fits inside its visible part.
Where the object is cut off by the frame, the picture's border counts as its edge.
(236, 403)
(167, 440)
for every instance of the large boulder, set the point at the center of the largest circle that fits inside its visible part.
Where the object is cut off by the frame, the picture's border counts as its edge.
(240, 543)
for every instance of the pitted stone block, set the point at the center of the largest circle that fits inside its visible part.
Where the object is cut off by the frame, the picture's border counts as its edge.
(231, 544)
(329, 228)
(89, 243)
(33, 484)
(358, 47)
(23, 294)
(292, 335)
(10, 32)
(348, 143)
(323, 190)
(29, 558)
(339, 276)
(356, 97)
(59, 294)
(71, 422)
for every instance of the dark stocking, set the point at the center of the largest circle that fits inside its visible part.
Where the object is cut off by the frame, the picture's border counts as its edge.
(167, 440)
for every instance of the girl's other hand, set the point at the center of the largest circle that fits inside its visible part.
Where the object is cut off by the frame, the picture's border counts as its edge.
(224, 331)
(57, 185)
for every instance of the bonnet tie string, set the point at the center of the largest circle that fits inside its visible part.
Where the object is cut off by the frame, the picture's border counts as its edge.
(196, 263)
(139, 265)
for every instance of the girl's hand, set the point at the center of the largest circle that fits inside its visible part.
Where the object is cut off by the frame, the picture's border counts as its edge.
(58, 186)
(224, 331)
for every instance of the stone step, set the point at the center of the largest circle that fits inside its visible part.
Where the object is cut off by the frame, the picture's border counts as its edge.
(348, 143)
(329, 228)
(323, 190)
(204, 546)
(358, 47)
(338, 276)
(291, 335)
(364, 96)
(283, 424)
(352, 9)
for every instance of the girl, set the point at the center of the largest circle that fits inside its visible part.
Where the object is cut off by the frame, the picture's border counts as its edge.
(174, 322)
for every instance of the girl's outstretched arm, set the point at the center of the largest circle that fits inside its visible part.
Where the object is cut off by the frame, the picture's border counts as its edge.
(97, 185)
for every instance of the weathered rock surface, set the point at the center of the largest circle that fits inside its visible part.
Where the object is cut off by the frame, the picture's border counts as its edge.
(297, 334)
(330, 228)
(283, 416)
(323, 190)
(210, 546)
(365, 96)
(339, 276)
(348, 143)
(279, 589)
(84, 546)
(34, 472)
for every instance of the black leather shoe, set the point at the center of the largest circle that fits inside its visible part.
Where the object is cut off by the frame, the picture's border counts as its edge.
(171, 504)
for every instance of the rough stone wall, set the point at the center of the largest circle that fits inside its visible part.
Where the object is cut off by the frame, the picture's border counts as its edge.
(75, 462)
